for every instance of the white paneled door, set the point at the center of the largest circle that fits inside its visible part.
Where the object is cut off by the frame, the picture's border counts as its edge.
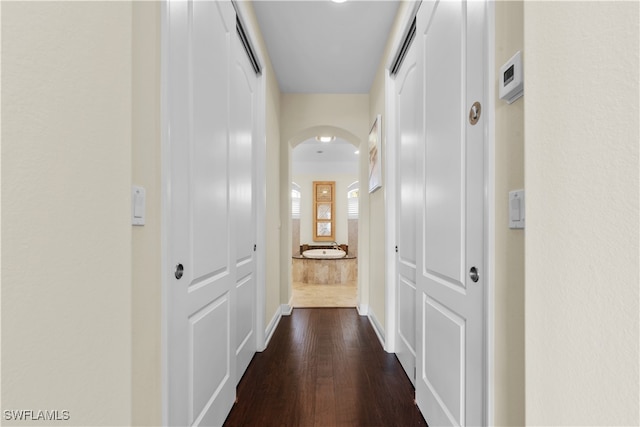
(210, 297)
(409, 135)
(243, 104)
(450, 265)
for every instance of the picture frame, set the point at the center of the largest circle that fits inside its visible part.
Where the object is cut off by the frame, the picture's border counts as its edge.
(375, 155)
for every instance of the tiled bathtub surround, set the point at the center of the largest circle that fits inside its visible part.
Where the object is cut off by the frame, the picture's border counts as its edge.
(325, 271)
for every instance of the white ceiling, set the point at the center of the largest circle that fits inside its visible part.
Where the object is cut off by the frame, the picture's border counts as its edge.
(325, 47)
(335, 157)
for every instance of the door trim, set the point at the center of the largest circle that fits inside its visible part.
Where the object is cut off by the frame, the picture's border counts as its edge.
(489, 201)
(490, 214)
(165, 204)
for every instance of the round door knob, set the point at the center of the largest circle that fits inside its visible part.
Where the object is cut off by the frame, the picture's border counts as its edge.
(473, 274)
(179, 271)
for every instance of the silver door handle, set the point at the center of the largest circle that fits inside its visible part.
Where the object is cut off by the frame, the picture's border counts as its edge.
(179, 271)
(474, 275)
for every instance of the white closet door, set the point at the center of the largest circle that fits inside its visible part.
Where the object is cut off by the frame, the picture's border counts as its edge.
(201, 301)
(408, 102)
(449, 304)
(243, 137)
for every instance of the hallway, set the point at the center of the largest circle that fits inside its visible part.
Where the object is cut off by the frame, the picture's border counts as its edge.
(324, 367)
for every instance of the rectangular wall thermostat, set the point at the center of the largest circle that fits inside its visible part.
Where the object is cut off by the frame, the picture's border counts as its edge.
(510, 82)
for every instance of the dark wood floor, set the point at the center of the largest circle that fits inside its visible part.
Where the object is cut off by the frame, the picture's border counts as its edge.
(325, 367)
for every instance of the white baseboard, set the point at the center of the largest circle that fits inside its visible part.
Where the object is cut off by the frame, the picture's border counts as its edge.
(286, 309)
(377, 328)
(363, 309)
(271, 328)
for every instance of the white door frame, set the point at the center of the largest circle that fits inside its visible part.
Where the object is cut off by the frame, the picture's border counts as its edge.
(260, 199)
(391, 199)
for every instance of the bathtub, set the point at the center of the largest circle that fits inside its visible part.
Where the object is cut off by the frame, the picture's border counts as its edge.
(324, 253)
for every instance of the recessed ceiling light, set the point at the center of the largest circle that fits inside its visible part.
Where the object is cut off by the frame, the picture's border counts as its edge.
(325, 138)
(356, 152)
(338, 1)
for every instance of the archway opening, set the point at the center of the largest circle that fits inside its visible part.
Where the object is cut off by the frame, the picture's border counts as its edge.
(324, 224)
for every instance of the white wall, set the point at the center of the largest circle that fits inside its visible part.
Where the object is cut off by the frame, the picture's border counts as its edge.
(306, 205)
(66, 176)
(581, 173)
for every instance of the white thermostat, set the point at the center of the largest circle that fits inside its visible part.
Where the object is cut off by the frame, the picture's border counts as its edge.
(510, 83)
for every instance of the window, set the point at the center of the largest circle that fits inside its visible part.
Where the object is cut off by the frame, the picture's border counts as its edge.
(352, 200)
(295, 200)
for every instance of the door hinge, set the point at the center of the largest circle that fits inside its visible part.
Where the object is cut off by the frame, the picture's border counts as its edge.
(255, 247)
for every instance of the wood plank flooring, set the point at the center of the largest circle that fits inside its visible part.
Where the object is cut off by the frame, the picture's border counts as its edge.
(325, 367)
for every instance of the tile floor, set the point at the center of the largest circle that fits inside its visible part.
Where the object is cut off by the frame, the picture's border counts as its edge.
(331, 295)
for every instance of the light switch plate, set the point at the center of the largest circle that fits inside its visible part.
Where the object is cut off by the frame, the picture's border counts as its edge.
(516, 209)
(138, 208)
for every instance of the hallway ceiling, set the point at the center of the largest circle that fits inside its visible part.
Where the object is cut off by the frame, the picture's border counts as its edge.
(334, 157)
(325, 47)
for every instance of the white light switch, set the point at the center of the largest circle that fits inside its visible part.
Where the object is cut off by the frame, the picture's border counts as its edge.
(516, 209)
(137, 205)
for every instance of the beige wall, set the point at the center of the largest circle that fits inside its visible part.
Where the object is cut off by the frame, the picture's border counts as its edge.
(303, 116)
(509, 244)
(146, 241)
(376, 213)
(375, 210)
(273, 195)
(66, 182)
(581, 175)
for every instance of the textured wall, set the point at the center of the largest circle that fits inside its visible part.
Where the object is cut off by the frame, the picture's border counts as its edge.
(581, 174)
(66, 197)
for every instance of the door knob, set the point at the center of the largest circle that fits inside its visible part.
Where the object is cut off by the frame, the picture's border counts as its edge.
(179, 271)
(473, 274)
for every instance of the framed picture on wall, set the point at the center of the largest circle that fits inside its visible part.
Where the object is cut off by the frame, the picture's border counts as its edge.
(375, 155)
